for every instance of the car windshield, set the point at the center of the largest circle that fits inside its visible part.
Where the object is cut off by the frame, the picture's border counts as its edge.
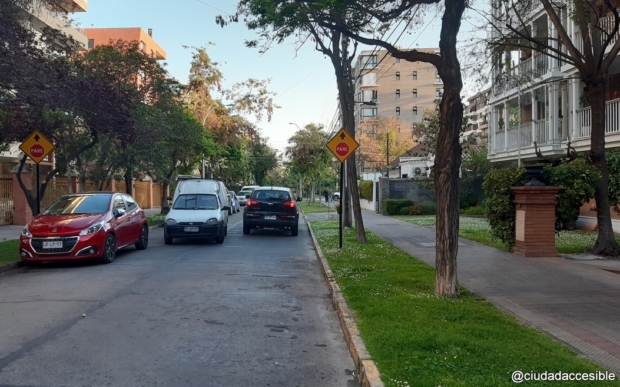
(79, 204)
(280, 196)
(196, 202)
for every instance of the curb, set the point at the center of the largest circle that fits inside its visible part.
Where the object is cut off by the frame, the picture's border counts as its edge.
(367, 370)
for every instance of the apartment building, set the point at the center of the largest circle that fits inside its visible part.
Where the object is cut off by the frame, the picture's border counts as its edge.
(539, 99)
(476, 113)
(103, 36)
(389, 87)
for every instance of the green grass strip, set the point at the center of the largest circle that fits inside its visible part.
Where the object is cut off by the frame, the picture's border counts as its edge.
(419, 339)
(9, 251)
(478, 229)
(315, 207)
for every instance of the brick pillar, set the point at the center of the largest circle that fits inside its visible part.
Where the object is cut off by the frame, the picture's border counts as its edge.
(535, 221)
(21, 210)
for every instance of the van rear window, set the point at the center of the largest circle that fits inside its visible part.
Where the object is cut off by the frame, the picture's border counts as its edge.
(196, 202)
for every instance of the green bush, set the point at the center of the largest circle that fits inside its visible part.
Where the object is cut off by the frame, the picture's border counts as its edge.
(366, 188)
(577, 179)
(613, 167)
(428, 208)
(393, 206)
(405, 210)
(475, 210)
(499, 202)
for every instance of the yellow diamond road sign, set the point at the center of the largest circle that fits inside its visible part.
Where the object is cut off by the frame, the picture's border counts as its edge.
(36, 146)
(342, 145)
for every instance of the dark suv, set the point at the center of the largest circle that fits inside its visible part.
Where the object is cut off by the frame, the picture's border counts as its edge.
(271, 207)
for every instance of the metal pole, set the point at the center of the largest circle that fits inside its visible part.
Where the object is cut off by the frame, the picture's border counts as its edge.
(387, 155)
(38, 197)
(341, 201)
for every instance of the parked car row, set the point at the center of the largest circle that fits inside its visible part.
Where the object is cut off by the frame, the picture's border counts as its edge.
(95, 225)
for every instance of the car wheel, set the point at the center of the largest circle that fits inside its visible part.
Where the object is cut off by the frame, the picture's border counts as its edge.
(109, 250)
(220, 238)
(246, 229)
(167, 241)
(294, 231)
(143, 242)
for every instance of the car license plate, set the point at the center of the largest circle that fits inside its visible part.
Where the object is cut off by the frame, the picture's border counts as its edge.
(190, 229)
(270, 217)
(52, 245)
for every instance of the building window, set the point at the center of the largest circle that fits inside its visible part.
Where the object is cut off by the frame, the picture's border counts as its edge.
(437, 77)
(415, 110)
(415, 75)
(369, 112)
(398, 110)
(415, 93)
(438, 93)
(398, 75)
(397, 93)
(91, 43)
(141, 46)
(397, 60)
(368, 61)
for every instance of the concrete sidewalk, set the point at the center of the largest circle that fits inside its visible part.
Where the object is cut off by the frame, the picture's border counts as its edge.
(13, 231)
(577, 302)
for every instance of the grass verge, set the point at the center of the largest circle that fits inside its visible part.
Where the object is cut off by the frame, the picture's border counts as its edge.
(156, 220)
(316, 207)
(419, 339)
(9, 251)
(478, 229)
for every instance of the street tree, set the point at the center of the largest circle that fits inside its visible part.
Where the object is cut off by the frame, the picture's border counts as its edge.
(277, 20)
(383, 141)
(592, 51)
(262, 159)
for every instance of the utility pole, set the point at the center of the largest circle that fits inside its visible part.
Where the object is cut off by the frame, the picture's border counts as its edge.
(387, 153)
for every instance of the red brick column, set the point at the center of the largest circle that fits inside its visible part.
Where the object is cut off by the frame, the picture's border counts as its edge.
(535, 221)
(21, 210)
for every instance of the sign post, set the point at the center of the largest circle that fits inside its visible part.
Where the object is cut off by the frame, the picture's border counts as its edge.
(342, 145)
(37, 147)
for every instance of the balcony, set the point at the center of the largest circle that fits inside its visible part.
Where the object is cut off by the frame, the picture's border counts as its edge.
(518, 141)
(43, 16)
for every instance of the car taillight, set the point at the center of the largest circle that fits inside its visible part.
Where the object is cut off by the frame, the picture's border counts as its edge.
(289, 204)
(252, 202)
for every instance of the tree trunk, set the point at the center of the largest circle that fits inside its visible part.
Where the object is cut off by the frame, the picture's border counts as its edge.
(355, 197)
(606, 243)
(448, 157)
(128, 181)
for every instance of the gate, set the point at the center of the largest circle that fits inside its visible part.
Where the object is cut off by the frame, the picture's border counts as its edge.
(6, 200)
(141, 192)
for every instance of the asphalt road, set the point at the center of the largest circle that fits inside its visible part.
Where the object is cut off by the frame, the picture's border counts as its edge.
(253, 311)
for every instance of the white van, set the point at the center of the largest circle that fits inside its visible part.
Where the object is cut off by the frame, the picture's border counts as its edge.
(199, 211)
(249, 187)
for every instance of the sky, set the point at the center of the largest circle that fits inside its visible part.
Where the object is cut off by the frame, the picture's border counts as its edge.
(303, 80)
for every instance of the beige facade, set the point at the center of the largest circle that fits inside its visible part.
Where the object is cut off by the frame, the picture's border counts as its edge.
(389, 87)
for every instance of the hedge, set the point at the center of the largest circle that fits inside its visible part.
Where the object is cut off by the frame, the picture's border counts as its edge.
(366, 188)
(393, 206)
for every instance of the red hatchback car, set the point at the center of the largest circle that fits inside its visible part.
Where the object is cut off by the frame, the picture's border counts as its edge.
(84, 226)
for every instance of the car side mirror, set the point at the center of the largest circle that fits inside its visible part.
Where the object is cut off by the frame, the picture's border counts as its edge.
(169, 198)
(118, 212)
(299, 199)
(247, 196)
(226, 208)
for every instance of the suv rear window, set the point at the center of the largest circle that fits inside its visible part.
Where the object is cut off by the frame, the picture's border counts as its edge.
(273, 195)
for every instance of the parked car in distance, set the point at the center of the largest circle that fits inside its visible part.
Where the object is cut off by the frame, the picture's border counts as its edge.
(249, 187)
(234, 203)
(271, 207)
(336, 196)
(199, 211)
(84, 226)
(242, 196)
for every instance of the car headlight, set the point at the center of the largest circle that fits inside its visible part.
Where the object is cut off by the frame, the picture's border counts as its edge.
(212, 221)
(96, 227)
(171, 222)
(26, 232)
